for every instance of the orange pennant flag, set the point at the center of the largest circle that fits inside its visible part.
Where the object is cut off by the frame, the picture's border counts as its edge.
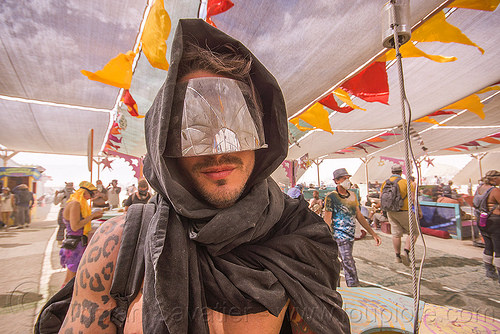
(436, 29)
(316, 116)
(156, 31)
(409, 50)
(376, 140)
(490, 88)
(117, 72)
(490, 140)
(344, 97)
(453, 149)
(488, 5)
(471, 103)
(427, 119)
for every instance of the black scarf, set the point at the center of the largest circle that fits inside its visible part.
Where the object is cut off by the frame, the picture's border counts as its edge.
(248, 258)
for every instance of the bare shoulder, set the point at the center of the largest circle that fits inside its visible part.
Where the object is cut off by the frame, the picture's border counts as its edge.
(91, 303)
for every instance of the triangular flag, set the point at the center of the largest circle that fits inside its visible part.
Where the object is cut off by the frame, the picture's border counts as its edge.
(490, 88)
(453, 149)
(488, 5)
(427, 119)
(490, 140)
(442, 112)
(331, 103)
(376, 140)
(360, 147)
(370, 84)
(436, 29)
(117, 72)
(129, 101)
(472, 143)
(471, 103)
(115, 139)
(316, 116)
(344, 97)
(156, 31)
(215, 7)
(409, 50)
(295, 121)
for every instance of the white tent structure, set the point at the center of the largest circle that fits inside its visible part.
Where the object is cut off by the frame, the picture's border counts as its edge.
(478, 167)
(47, 105)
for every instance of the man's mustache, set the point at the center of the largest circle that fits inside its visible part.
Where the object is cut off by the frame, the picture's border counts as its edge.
(214, 161)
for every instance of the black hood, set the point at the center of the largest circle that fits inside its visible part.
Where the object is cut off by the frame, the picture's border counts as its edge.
(162, 173)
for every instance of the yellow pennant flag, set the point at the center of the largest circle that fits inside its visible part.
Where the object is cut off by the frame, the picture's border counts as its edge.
(117, 72)
(436, 29)
(156, 31)
(471, 103)
(295, 121)
(409, 50)
(487, 89)
(344, 97)
(316, 116)
(489, 5)
(427, 119)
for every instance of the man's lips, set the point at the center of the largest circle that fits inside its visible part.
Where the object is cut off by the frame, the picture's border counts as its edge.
(218, 173)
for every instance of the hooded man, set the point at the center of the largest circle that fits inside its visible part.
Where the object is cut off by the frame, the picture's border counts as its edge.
(226, 251)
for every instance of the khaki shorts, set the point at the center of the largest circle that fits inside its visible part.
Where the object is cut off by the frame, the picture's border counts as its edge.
(400, 223)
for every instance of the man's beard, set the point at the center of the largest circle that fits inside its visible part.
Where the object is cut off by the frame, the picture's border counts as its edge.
(221, 198)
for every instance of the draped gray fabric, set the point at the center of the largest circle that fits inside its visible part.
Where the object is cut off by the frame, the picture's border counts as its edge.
(248, 258)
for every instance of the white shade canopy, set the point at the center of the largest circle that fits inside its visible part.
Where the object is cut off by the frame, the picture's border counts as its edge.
(311, 48)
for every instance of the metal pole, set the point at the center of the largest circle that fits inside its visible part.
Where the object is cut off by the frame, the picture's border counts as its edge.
(317, 169)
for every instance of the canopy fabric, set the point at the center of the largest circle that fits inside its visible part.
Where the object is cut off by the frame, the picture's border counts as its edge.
(311, 48)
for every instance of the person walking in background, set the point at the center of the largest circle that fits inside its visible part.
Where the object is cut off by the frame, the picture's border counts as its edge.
(341, 212)
(24, 203)
(487, 204)
(114, 194)
(141, 196)
(7, 204)
(394, 201)
(77, 217)
(61, 197)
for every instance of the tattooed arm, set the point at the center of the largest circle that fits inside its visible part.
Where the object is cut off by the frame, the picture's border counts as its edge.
(91, 304)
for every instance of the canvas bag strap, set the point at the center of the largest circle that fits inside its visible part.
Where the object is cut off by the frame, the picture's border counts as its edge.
(130, 261)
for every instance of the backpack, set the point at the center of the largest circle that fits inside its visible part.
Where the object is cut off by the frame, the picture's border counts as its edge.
(390, 198)
(138, 217)
(24, 198)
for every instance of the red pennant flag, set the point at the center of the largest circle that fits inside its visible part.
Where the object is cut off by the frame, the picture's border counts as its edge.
(112, 145)
(361, 147)
(215, 7)
(331, 103)
(129, 101)
(442, 112)
(115, 139)
(370, 84)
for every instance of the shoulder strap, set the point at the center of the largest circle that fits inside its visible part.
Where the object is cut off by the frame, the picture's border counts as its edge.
(484, 199)
(129, 269)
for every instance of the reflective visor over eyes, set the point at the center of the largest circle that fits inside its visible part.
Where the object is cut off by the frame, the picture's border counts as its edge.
(218, 116)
